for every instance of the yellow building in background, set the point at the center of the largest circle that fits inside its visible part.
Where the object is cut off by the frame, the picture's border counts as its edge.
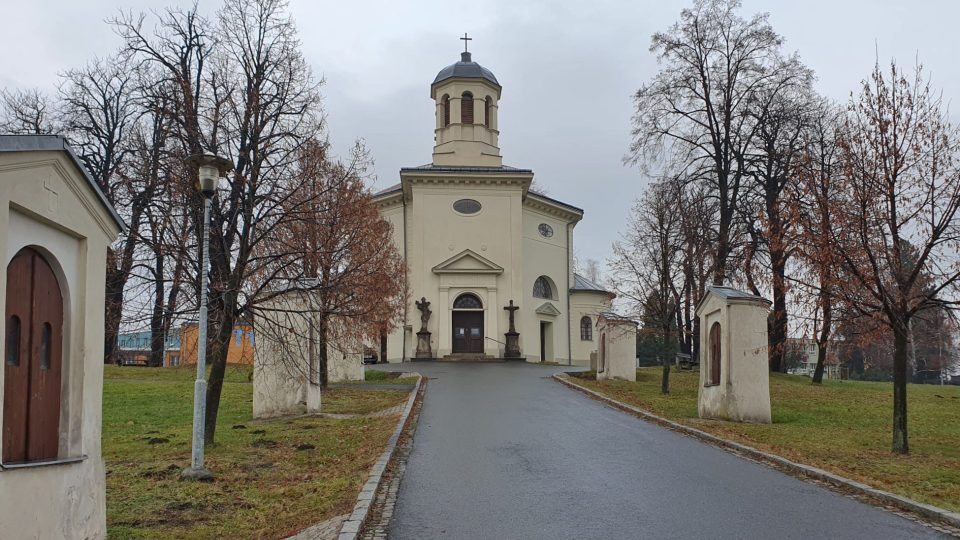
(240, 350)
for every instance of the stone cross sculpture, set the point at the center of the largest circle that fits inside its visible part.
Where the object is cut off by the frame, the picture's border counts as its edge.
(512, 309)
(424, 348)
(512, 348)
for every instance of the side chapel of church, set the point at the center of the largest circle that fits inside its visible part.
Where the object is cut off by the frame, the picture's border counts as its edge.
(476, 238)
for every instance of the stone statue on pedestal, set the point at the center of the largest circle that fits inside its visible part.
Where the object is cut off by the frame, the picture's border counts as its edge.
(512, 348)
(424, 349)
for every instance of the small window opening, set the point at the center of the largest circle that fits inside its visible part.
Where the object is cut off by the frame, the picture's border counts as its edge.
(466, 108)
(13, 341)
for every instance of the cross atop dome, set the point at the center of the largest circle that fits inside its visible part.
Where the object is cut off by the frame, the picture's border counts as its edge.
(465, 39)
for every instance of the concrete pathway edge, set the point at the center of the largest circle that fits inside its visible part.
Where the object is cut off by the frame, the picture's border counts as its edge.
(926, 510)
(352, 525)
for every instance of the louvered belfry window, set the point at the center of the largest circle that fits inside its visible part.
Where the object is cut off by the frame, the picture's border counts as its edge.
(446, 111)
(466, 108)
(486, 110)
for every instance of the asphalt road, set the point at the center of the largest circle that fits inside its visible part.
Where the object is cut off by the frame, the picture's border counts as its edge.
(503, 452)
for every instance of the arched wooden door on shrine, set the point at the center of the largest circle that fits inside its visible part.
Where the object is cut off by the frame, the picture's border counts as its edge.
(32, 359)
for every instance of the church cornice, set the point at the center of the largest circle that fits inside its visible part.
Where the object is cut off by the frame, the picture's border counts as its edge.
(552, 207)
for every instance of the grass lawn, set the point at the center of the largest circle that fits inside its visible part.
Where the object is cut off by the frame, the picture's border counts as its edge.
(842, 426)
(386, 377)
(273, 478)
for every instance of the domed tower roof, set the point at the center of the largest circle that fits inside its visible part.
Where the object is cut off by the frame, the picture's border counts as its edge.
(467, 69)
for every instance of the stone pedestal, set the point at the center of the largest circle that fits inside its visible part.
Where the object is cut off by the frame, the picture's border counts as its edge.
(512, 348)
(424, 350)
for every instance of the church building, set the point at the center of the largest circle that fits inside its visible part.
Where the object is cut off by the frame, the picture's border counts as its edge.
(477, 239)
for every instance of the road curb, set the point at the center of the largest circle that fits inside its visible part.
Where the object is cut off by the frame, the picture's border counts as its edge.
(352, 526)
(928, 511)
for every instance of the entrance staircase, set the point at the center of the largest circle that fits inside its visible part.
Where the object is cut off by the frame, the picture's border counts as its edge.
(470, 357)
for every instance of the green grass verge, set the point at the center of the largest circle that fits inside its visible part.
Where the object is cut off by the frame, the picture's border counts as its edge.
(387, 377)
(842, 426)
(273, 478)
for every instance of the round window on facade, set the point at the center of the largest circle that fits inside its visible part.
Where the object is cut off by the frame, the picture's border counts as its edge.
(546, 231)
(467, 206)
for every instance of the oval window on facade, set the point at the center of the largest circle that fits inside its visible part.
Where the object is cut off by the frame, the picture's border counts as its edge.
(545, 230)
(467, 206)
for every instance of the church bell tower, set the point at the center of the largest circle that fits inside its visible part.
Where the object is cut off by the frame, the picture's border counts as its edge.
(466, 96)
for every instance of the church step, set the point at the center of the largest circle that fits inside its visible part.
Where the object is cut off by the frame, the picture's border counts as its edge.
(470, 357)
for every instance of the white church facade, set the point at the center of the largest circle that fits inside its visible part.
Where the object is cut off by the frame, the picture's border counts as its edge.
(476, 237)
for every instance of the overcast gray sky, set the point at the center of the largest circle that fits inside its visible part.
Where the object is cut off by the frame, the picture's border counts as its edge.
(568, 70)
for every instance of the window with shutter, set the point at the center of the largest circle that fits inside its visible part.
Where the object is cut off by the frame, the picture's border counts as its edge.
(466, 108)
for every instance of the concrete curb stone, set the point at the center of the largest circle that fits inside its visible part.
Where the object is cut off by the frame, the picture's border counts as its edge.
(353, 524)
(929, 511)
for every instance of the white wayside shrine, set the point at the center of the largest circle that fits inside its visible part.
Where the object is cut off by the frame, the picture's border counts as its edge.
(734, 369)
(617, 355)
(55, 228)
(490, 260)
(286, 370)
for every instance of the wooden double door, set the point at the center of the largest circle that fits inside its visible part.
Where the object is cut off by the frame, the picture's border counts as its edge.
(468, 332)
(32, 360)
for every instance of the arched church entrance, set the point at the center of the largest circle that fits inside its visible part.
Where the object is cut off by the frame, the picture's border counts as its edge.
(467, 324)
(32, 357)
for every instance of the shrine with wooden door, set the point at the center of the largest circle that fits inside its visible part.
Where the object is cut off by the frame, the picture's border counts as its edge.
(55, 229)
(734, 374)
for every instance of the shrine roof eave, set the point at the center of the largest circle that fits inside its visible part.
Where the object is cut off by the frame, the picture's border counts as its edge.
(57, 143)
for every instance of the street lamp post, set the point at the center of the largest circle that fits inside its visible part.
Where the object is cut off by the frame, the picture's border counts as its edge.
(210, 168)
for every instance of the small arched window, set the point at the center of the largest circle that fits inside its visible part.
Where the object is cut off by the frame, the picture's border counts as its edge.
(467, 301)
(586, 329)
(446, 110)
(487, 110)
(714, 373)
(542, 288)
(466, 108)
(13, 341)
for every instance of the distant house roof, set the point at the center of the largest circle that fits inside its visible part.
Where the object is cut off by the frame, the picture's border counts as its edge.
(54, 143)
(583, 284)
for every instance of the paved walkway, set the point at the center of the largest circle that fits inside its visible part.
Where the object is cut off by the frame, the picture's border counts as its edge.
(503, 452)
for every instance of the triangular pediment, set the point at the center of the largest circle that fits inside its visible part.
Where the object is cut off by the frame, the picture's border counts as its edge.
(467, 262)
(548, 309)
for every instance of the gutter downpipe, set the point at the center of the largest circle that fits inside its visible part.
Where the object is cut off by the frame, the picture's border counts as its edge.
(569, 315)
(406, 307)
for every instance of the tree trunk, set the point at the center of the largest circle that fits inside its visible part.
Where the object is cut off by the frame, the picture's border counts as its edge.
(113, 308)
(157, 341)
(778, 336)
(218, 345)
(322, 332)
(824, 340)
(900, 353)
(665, 380)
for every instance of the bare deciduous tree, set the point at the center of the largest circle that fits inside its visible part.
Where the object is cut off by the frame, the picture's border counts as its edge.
(26, 112)
(696, 112)
(897, 229)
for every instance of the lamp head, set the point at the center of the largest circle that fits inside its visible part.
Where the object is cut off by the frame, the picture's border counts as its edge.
(210, 168)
